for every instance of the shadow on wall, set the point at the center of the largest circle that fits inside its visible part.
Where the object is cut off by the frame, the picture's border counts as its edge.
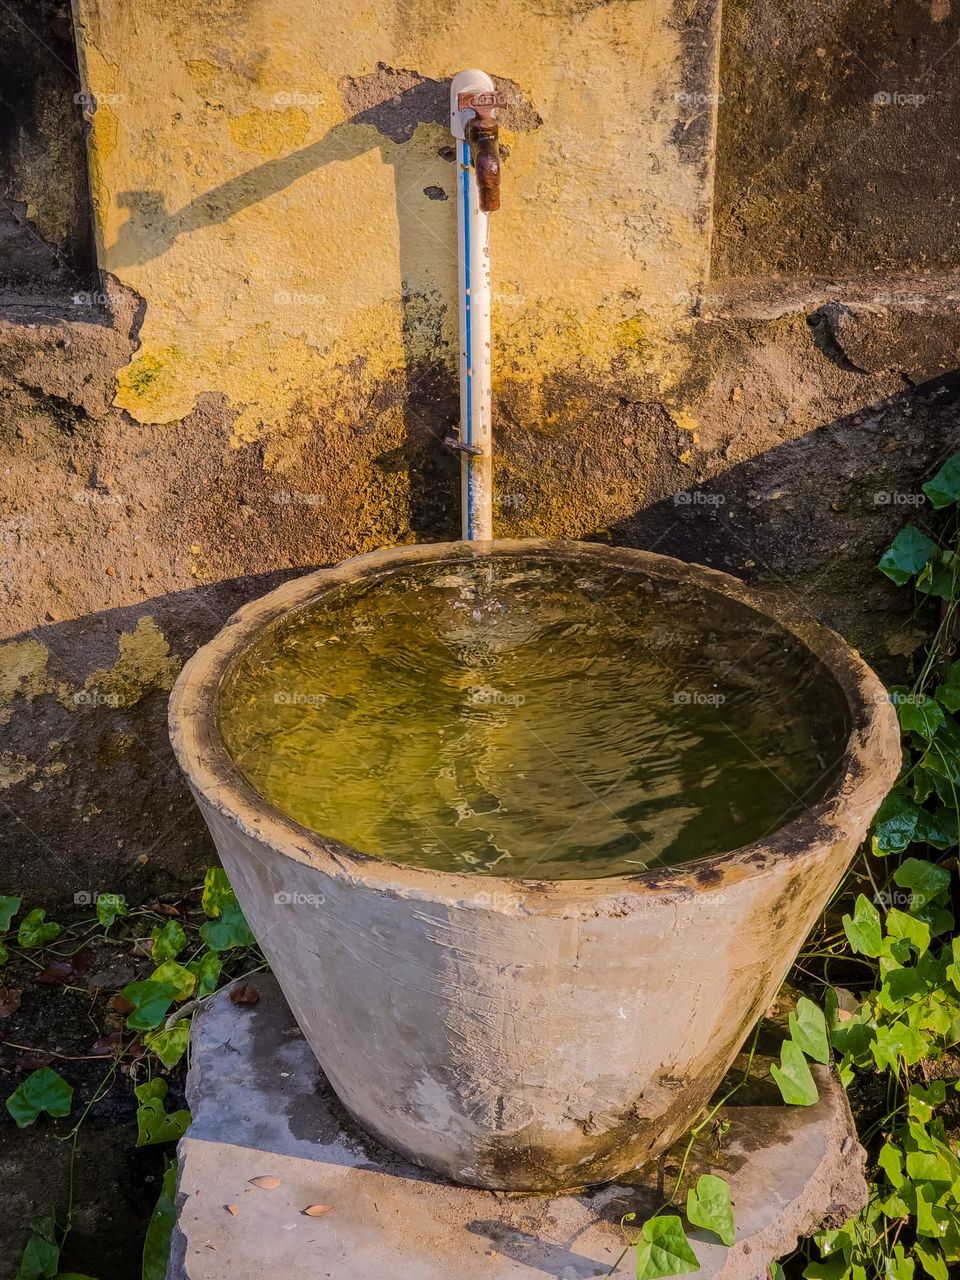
(387, 106)
(92, 796)
(92, 799)
(46, 224)
(811, 517)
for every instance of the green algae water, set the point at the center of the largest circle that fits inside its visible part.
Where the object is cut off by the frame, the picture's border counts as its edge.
(537, 718)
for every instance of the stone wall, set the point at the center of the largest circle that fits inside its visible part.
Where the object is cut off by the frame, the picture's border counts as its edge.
(262, 380)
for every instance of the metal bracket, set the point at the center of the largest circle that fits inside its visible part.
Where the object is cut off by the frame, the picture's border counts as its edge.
(460, 446)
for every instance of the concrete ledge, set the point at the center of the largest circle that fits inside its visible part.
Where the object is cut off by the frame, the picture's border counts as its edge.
(262, 1107)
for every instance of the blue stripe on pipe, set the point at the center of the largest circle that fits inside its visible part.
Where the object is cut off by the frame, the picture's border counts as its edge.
(468, 330)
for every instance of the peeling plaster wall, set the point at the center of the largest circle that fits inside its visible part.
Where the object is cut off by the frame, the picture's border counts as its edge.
(268, 181)
(267, 386)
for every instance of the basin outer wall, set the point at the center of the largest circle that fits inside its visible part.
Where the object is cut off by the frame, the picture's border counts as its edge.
(528, 1035)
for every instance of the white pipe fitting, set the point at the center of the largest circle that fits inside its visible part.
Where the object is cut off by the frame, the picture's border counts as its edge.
(476, 460)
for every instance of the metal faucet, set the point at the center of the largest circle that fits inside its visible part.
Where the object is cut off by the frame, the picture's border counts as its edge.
(482, 134)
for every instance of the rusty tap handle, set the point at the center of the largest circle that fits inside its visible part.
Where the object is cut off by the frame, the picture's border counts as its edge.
(482, 134)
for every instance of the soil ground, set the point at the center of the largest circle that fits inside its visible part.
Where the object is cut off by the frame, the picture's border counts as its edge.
(116, 1184)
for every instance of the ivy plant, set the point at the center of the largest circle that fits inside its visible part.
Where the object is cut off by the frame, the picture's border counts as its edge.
(901, 1028)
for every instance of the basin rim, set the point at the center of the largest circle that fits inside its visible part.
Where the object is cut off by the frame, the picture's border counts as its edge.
(869, 767)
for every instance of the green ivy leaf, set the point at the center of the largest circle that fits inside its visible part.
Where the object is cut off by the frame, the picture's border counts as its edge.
(154, 1090)
(933, 1017)
(944, 488)
(932, 1260)
(906, 555)
(8, 909)
(663, 1250)
(923, 717)
(863, 929)
(924, 878)
(156, 1245)
(170, 1046)
(216, 891)
(231, 930)
(895, 1206)
(154, 1124)
(927, 1218)
(941, 770)
(808, 1029)
(836, 1242)
(175, 975)
(890, 1160)
(948, 693)
(938, 918)
(936, 578)
(33, 932)
(43, 1090)
(41, 1257)
(895, 825)
(899, 987)
(921, 784)
(207, 972)
(952, 971)
(909, 929)
(899, 1266)
(896, 1043)
(708, 1206)
(827, 1269)
(168, 942)
(938, 829)
(853, 1039)
(109, 907)
(943, 761)
(922, 1101)
(150, 1001)
(928, 1166)
(794, 1079)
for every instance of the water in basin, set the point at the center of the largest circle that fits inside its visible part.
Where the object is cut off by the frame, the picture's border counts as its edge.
(531, 717)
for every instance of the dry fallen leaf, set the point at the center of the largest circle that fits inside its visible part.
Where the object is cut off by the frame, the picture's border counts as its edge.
(106, 1046)
(232, 1208)
(58, 972)
(9, 1000)
(267, 1183)
(33, 1059)
(244, 994)
(318, 1210)
(165, 908)
(82, 959)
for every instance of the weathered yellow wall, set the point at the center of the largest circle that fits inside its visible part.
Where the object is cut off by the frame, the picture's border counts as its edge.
(268, 228)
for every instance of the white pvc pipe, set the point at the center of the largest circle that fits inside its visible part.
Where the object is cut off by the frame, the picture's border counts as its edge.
(476, 398)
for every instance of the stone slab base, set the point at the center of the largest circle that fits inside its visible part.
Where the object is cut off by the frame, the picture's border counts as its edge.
(262, 1108)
